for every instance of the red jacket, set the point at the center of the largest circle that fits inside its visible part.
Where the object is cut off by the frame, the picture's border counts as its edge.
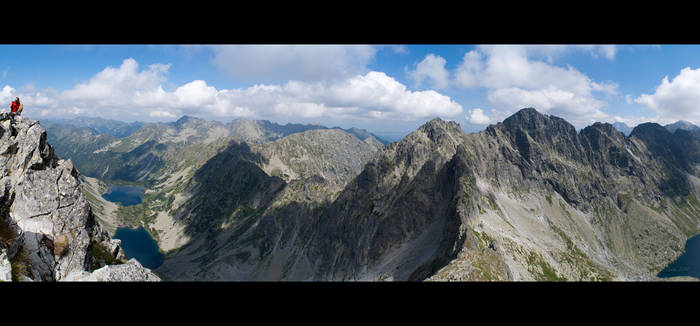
(15, 106)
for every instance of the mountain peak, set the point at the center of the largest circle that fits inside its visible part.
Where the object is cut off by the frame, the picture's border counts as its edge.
(681, 124)
(185, 119)
(438, 123)
(527, 118)
(603, 128)
(531, 120)
(649, 127)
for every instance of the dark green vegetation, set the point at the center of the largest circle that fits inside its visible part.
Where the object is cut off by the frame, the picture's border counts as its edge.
(20, 265)
(542, 270)
(101, 257)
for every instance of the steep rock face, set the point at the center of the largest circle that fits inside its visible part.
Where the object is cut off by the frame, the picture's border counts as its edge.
(614, 219)
(392, 219)
(47, 222)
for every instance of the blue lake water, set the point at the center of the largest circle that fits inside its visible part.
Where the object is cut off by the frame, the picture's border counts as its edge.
(125, 195)
(137, 243)
(688, 264)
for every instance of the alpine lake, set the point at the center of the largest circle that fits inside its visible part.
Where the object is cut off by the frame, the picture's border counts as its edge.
(136, 243)
(687, 264)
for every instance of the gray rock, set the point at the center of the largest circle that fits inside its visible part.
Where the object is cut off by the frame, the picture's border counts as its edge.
(5, 267)
(41, 195)
(131, 271)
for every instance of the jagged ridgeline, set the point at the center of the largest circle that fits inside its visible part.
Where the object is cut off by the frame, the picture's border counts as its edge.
(47, 229)
(526, 199)
(144, 153)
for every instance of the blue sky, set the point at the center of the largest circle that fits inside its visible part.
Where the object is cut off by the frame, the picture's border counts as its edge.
(387, 89)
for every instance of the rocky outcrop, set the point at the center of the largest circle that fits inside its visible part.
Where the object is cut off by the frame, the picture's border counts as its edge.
(52, 230)
(129, 271)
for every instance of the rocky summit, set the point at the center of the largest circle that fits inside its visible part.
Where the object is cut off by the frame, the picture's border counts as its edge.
(47, 229)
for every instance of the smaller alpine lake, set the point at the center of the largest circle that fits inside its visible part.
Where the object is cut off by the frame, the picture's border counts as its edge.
(688, 264)
(126, 195)
(137, 243)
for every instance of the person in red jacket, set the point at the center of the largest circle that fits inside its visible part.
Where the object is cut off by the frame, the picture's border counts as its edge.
(16, 107)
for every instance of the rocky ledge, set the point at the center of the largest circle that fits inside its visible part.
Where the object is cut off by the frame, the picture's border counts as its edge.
(47, 229)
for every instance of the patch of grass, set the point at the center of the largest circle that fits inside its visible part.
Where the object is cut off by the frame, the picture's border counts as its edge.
(491, 203)
(481, 210)
(570, 246)
(20, 266)
(483, 239)
(542, 270)
(135, 215)
(486, 270)
(101, 257)
(579, 261)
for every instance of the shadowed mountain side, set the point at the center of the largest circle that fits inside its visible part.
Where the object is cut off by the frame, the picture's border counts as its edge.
(417, 223)
(229, 182)
(116, 128)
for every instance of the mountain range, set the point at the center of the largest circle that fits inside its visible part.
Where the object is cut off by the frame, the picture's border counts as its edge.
(528, 198)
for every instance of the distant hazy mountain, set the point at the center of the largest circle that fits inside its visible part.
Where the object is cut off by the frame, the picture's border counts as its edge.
(98, 125)
(681, 124)
(623, 127)
(107, 154)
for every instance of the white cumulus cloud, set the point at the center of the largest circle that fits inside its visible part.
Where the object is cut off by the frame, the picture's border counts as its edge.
(524, 76)
(477, 116)
(575, 108)
(431, 68)
(131, 93)
(676, 99)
